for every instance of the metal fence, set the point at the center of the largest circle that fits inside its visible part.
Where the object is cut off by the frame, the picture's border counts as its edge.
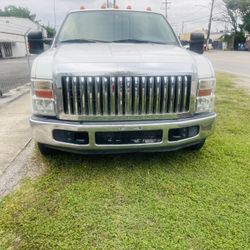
(14, 61)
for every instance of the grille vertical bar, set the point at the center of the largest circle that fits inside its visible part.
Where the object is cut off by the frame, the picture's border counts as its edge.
(90, 95)
(165, 95)
(97, 95)
(136, 95)
(82, 96)
(112, 90)
(171, 99)
(151, 95)
(75, 95)
(69, 94)
(128, 93)
(158, 96)
(185, 86)
(125, 96)
(120, 95)
(105, 104)
(178, 94)
(144, 95)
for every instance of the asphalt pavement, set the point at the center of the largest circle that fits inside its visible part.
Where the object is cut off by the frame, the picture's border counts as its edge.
(233, 62)
(14, 73)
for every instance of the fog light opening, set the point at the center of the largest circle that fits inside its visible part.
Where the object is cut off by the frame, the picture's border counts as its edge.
(79, 138)
(179, 134)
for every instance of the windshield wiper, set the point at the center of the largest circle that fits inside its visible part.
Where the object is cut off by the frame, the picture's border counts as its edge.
(136, 41)
(82, 41)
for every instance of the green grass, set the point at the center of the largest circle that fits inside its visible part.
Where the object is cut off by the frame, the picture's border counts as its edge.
(181, 200)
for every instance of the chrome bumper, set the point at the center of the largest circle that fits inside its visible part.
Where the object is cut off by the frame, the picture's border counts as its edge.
(43, 128)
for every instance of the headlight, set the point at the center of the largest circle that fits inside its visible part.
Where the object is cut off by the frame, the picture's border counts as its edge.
(43, 102)
(205, 95)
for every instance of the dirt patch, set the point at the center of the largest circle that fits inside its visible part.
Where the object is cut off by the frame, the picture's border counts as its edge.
(26, 164)
(243, 82)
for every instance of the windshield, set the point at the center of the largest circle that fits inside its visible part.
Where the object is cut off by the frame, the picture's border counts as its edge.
(116, 26)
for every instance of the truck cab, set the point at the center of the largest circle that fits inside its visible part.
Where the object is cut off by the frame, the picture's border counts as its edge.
(119, 81)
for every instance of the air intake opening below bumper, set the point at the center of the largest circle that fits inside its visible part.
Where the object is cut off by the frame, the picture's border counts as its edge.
(128, 137)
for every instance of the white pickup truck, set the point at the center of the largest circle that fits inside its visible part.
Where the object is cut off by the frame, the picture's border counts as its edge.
(119, 81)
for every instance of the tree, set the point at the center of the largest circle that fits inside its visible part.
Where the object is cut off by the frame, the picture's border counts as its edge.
(237, 13)
(230, 13)
(238, 10)
(244, 6)
(50, 31)
(14, 11)
(246, 25)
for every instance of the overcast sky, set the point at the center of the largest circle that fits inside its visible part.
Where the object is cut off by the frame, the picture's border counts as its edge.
(194, 13)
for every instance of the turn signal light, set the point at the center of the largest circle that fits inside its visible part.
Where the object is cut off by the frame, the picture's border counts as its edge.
(41, 93)
(205, 92)
(205, 95)
(206, 87)
(43, 102)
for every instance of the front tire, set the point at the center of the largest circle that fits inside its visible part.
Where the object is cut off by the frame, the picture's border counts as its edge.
(197, 147)
(46, 151)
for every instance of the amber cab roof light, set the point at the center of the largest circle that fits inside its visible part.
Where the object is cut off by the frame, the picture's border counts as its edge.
(103, 6)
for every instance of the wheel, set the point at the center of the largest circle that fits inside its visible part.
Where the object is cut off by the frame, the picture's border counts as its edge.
(198, 146)
(44, 150)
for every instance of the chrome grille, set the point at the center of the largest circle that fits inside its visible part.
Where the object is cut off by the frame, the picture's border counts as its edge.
(122, 96)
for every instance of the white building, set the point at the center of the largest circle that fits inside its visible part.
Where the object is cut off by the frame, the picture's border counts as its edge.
(13, 35)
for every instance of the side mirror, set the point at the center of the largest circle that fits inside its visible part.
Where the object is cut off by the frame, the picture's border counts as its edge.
(185, 44)
(48, 41)
(35, 41)
(197, 41)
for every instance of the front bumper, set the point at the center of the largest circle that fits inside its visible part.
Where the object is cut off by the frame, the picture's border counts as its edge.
(43, 133)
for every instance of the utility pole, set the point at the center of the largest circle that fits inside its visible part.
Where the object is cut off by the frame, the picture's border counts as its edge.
(210, 23)
(182, 27)
(114, 3)
(55, 14)
(166, 3)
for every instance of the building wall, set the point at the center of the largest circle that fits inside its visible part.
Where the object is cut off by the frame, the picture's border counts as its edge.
(14, 30)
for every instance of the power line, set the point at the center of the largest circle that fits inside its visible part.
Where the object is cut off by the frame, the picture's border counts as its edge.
(196, 19)
(54, 5)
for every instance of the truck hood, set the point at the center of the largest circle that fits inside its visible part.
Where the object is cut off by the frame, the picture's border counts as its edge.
(120, 53)
(102, 58)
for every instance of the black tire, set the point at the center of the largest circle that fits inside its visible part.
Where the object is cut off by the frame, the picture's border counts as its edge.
(46, 151)
(197, 147)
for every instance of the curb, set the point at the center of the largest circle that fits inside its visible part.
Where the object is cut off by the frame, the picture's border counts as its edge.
(14, 94)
